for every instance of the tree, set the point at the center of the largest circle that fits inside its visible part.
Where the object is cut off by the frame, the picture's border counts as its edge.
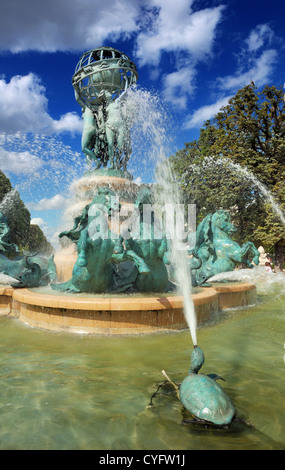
(22, 233)
(5, 185)
(238, 159)
(37, 241)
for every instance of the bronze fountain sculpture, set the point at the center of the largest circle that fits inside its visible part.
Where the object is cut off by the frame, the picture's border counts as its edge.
(101, 81)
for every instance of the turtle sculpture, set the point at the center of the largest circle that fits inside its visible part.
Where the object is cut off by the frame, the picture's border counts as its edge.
(203, 397)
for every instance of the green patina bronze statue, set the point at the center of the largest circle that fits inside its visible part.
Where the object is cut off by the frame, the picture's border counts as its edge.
(204, 401)
(98, 249)
(153, 250)
(100, 81)
(5, 245)
(217, 251)
(135, 258)
(28, 270)
(24, 270)
(203, 397)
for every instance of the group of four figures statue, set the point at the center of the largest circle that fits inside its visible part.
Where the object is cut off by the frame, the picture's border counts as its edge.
(106, 135)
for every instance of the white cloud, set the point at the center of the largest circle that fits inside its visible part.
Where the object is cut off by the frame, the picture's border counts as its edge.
(56, 202)
(160, 25)
(19, 163)
(23, 104)
(175, 27)
(23, 107)
(157, 26)
(204, 113)
(179, 85)
(38, 221)
(260, 35)
(64, 25)
(257, 65)
(260, 72)
(69, 122)
(256, 59)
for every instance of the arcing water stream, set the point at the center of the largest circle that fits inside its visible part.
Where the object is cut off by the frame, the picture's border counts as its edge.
(244, 173)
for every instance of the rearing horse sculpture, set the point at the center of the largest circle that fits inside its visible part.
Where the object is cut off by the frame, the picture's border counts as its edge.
(218, 252)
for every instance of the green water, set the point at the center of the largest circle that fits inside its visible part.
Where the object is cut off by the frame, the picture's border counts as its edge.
(61, 391)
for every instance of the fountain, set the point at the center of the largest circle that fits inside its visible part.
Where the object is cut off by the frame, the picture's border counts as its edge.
(115, 280)
(113, 276)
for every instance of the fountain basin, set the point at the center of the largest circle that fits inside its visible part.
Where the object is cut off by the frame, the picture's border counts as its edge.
(6, 300)
(231, 295)
(118, 314)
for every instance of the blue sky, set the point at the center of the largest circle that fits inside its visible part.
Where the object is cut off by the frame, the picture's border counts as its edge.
(194, 55)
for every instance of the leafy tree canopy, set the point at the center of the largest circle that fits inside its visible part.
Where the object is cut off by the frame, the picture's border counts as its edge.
(237, 162)
(22, 233)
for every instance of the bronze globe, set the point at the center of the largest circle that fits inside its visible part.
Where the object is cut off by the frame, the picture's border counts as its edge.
(99, 71)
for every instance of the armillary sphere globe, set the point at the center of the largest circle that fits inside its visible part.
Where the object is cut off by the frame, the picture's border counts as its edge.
(102, 70)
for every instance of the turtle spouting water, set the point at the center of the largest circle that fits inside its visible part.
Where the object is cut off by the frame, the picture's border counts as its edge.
(202, 396)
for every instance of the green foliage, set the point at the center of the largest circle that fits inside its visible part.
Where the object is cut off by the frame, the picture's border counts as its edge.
(38, 242)
(18, 218)
(249, 132)
(270, 231)
(22, 233)
(5, 185)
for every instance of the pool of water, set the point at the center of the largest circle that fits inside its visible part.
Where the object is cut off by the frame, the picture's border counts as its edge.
(65, 391)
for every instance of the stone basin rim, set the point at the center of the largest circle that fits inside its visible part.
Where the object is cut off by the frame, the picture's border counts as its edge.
(70, 301)
(153, 302)
(113, 316)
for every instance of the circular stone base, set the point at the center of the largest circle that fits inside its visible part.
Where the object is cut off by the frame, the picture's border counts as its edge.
(109, 315)
(119, 315)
